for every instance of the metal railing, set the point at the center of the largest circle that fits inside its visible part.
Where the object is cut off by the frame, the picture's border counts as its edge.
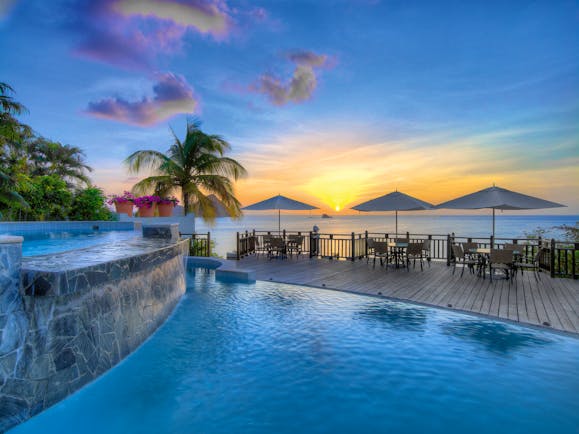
(200, 244)
(558, 258)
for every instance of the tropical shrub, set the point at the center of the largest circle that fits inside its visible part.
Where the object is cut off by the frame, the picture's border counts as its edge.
(89, 204)
(48, 198)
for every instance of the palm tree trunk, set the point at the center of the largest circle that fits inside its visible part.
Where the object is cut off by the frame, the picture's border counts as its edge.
(185, 203)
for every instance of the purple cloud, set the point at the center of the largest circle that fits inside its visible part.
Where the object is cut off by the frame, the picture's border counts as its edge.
(172, 96)
(302, 84)
(133, 33)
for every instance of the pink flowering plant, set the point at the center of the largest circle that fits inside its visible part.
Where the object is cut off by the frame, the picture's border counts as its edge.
(146, 201)
(127, 196)
(167, 200)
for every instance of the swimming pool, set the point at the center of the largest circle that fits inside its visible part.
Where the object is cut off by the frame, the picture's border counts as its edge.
(273, 358)
(44, 243)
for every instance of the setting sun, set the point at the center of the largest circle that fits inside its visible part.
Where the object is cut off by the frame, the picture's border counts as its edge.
(337, 207)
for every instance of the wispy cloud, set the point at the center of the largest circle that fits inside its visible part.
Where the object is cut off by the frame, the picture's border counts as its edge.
(208, 17)
(301, 86)
(172, 95)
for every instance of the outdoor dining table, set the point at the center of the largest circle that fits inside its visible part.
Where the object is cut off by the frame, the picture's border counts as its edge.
(397, 249)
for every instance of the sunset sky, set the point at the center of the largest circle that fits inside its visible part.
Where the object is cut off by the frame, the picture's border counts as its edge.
(329, 102)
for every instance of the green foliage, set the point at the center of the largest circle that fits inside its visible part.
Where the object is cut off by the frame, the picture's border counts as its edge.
(48, 198)
(198, 247)
(535, 233)
(571, 233)
(40, 179)
(89, 204)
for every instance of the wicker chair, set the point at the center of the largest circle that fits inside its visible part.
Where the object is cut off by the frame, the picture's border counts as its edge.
(534, 265)
(294, 244)
(426, 246)
(380, 251)
(461, 258)
(414, 251)
(369, 249)
(501, 259)
(262, 245)
(277, 248)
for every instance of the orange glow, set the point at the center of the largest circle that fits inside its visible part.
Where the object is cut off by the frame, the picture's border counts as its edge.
(337, 170)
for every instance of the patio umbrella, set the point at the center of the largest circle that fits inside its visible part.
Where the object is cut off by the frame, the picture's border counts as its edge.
(395, 201)
(498, 198)
(279, 202)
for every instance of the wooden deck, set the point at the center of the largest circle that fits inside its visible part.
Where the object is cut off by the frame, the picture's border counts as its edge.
(552, 303)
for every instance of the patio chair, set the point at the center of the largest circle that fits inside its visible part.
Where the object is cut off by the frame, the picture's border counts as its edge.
(294, 244)
(277, 248)
(369, 249)
(533, 265)
(501, 259)
(414, 251)
(461, 258)
(380, 251)
(426, 250)
(262, 244)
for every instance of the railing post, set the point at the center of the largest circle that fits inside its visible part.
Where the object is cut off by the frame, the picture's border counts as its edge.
(552, 258)
(408, 236)
(448, 249)
(237, 240)
(492, 246)
(573, 260)
(208, 244)
(283, 234)
(353, 247)
(311, 244)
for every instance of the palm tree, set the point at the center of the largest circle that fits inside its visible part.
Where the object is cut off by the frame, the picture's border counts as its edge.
(197, 167)
(10, 127)
(52, 158)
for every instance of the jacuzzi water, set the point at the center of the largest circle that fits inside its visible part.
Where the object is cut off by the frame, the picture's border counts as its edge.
(272, 358)
(43, 243)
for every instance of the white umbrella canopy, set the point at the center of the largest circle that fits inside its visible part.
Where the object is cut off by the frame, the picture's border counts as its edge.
(279, 202)
(395, 201)
(498, 198)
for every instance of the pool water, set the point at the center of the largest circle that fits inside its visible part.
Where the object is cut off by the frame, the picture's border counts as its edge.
(273, 358)
(44, 243)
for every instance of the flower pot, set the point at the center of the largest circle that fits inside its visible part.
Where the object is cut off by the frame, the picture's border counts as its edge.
(146, 211)
(165, 209)
(124, 208)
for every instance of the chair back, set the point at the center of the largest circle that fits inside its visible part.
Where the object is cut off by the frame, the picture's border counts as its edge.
(401, 240)
(501, 256)
(514, 247)
(370, 243)
(296, 239)
(457, 251)
(414, 249)
(380, 247)
(426, 245)
(276, 242)
(469, 247)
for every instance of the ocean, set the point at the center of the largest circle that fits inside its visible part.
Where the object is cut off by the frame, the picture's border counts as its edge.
(507, 226)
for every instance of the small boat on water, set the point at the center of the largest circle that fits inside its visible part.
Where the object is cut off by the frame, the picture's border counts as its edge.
(326, 216)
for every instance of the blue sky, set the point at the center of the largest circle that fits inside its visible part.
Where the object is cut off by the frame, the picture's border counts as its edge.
(330, 102)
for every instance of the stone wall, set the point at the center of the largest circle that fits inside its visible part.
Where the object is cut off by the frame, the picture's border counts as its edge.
(56, 340)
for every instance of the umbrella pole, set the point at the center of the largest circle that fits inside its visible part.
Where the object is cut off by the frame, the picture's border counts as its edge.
(396, 223)
(493, 223)
(279, 221)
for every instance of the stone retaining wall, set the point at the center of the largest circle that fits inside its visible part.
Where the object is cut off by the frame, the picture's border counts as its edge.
(53, 341)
